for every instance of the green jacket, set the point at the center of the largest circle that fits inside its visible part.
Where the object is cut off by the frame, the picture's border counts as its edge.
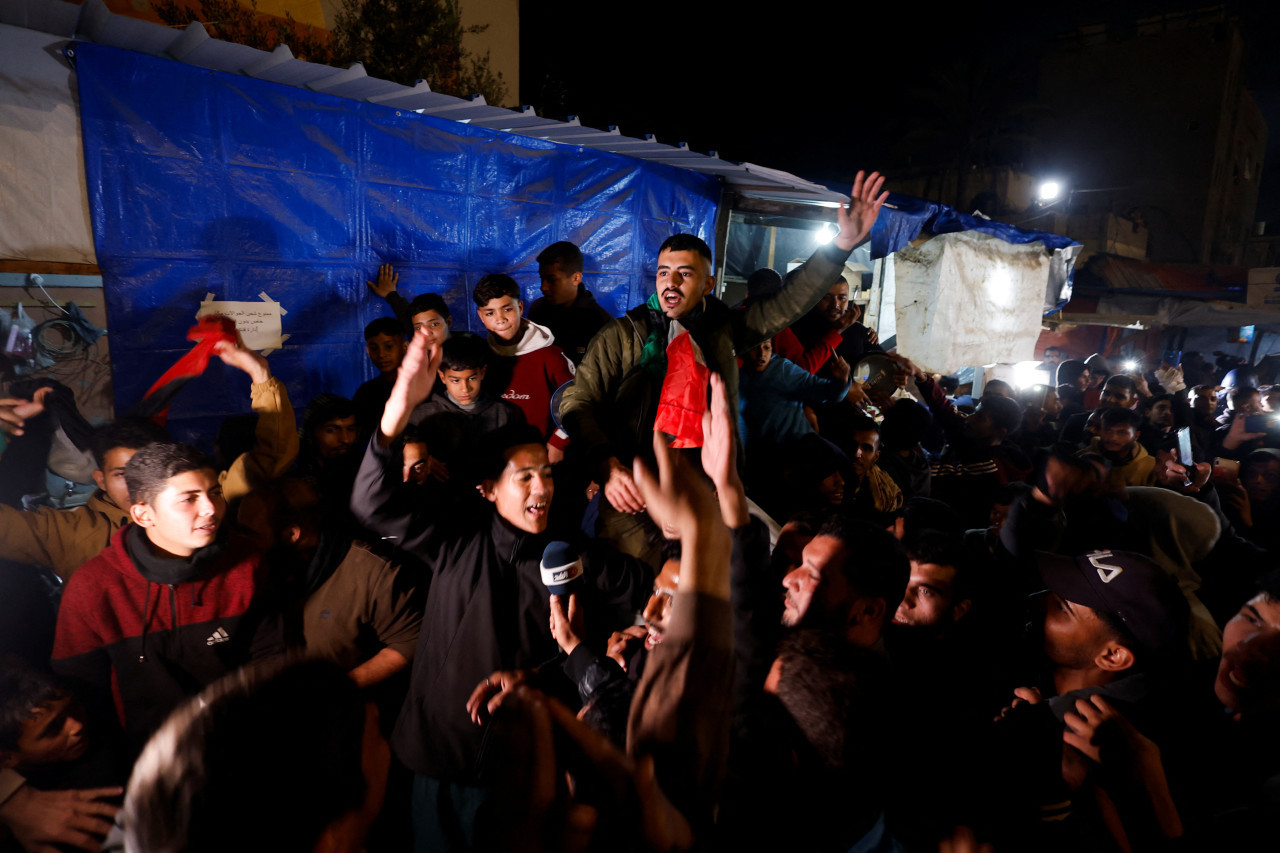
(610, 408)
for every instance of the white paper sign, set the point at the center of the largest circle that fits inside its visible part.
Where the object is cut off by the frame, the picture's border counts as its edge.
(258, 322)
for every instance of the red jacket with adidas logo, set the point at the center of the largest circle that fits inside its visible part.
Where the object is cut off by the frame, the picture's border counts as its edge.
(151, 645)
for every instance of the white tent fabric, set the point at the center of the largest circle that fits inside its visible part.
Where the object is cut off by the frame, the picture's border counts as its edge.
(44, 205)
(969, 298)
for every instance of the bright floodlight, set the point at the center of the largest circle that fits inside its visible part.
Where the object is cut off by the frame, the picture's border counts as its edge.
(1129, 366)
(825, 234)
(1029, 373)
(1050, 190)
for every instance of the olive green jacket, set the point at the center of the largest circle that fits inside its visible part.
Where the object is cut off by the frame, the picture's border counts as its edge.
(610, 408)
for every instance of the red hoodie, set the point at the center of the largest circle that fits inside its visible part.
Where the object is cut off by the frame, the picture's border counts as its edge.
(526, 373)
(153, 643)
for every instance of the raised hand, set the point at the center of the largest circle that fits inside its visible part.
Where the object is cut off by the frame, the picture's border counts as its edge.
(387, 280)
(566, 622)
(908, 365)
(414, 379)
(718, 454)
(1236, 434)
(677, 498)
(239, 356)
(856, 219)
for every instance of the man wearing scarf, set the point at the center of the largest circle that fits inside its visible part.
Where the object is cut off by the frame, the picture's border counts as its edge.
(650, 368)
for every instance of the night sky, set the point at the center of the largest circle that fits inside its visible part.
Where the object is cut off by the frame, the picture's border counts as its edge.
(818, 90)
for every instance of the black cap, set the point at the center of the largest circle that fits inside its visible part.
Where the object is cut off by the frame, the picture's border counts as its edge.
(1131, 587)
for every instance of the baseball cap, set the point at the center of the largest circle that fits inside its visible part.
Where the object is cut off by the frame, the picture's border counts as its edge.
(1132, 587)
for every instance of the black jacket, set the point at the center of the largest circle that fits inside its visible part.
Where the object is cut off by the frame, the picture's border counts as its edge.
(574, 325)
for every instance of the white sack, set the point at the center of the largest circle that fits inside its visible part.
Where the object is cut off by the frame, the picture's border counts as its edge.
(969, 299)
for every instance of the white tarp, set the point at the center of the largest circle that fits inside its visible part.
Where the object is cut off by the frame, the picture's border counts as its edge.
(968, 298)
(44, 204)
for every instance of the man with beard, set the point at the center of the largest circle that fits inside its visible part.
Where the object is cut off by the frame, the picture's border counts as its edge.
(872, 494)
(830, 328)
(638, 366)
(851, 579)
(1118, 444)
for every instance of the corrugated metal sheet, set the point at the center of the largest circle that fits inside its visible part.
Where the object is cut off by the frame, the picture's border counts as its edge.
(92, 21)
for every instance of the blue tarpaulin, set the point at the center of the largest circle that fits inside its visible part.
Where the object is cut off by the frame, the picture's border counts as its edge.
(905, 216)
(202, 182)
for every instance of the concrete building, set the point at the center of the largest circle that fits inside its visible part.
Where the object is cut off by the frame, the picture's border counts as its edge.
(1154, 121)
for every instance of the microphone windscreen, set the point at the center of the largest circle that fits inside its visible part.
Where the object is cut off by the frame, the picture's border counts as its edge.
(561, 568)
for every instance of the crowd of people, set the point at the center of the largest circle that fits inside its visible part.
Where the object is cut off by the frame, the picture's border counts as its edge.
(671, 580)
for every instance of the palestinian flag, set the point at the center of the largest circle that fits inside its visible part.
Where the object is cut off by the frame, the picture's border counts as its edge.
(208, 332)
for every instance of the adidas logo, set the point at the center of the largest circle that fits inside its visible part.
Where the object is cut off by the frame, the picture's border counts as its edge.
(218, 636)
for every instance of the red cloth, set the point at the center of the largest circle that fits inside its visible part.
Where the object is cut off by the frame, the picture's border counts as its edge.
(787, 345)
(208, 332)
(684, 393)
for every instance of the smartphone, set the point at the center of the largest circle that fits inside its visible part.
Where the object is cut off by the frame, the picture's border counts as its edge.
(1172, 357)
(1184, 448)
(1225, 470)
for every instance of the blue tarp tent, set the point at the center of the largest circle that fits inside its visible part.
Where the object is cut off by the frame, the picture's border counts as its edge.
(202, 182)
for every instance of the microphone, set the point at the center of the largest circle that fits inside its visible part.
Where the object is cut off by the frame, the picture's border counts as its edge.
(561, 568)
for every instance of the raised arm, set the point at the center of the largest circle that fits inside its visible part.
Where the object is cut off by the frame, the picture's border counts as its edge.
(377, 500)
(806, 284)
(385, 287)
(414, 381)
(275, 440)
(719, 457)
(681, 709)
(935, 398)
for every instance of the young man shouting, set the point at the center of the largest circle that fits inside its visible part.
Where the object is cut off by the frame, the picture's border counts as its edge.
(487, 609)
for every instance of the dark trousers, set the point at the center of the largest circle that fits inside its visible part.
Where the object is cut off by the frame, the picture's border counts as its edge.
(444, 815)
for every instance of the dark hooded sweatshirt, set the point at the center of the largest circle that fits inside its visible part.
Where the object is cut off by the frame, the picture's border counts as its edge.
(152, 632)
